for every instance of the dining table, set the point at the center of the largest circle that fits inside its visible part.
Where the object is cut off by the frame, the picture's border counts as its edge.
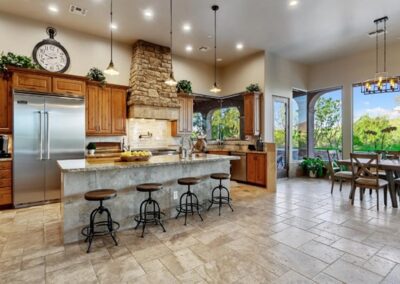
(391, 167)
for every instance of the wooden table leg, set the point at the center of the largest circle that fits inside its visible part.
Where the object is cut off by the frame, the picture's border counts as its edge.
(392, 189)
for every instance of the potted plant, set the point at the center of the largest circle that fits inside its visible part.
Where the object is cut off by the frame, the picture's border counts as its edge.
(313, 166)
(253, 88)
(184, 86)
(11, 59)
(91, 147)
(95, 74)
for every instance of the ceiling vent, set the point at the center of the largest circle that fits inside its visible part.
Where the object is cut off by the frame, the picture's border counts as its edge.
(204, 48)
(73, 9)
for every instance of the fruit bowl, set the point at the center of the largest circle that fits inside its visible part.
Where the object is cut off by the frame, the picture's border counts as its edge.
(135, 156)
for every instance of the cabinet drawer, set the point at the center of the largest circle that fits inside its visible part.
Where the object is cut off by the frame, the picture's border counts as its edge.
(32, 82)
(69, 87)
(5, 196)
(5, 174)
(6, 182)
(5, 165)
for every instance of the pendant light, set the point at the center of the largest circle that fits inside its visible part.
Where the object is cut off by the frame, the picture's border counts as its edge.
(111, 69)
(382, 83)
(215, 89)
(171, 80)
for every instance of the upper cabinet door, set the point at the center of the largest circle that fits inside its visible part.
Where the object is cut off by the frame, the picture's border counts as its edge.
(5, 106)
(105, 110)
(252, 114)
(31, 82)
(92, 109)
(72, 87)
(118, 111)
(189, 114)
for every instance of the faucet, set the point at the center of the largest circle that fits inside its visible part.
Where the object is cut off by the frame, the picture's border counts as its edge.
(124, 147)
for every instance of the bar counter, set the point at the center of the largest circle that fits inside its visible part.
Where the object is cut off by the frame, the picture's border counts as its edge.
(80, 176)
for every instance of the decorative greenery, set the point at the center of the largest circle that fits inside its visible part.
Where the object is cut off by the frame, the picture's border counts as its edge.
(253, 88)
(95, 74)
(12, 59)
(184, 86)
(315, 165)
(91, 146)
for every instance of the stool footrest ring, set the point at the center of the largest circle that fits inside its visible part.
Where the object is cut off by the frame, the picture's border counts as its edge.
(102, 224)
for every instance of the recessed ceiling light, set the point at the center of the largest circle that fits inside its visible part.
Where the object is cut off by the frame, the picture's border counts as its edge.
(53, 8)
(189, 48)
(219, 59)
(114, 26)
(239, 46)
(148, 14)
(293, 3)
(187, 27)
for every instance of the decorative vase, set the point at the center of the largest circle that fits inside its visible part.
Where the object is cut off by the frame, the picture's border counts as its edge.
(91, 152)
(312, 174)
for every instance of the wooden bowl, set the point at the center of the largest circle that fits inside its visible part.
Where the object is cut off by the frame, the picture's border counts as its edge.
(135, 158)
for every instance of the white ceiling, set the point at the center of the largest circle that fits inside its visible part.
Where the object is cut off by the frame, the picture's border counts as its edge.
(314, 30)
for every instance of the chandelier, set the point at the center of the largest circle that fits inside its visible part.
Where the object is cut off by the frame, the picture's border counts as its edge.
(382, 83)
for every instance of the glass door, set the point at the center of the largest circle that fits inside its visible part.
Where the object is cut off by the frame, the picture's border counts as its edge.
(281, 137)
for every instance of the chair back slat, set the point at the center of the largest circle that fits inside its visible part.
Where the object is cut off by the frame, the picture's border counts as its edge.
(365, 166)
(331, 165)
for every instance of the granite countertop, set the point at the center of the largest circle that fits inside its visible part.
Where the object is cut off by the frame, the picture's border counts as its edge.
(238, 151)
(83, 165)
(5, 159)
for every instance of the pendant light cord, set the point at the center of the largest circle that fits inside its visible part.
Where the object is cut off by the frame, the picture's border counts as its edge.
(215, 47)
(377, 49)
(111, 28)
(170, 26)
(384, 46)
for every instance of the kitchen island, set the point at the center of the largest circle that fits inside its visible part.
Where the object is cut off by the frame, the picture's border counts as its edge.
(80, 176)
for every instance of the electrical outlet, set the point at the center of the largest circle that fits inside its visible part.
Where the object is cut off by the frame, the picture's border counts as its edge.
(175, 195)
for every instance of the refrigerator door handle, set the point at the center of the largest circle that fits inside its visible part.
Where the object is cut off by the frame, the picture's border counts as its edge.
(48, 133)
(40, 136)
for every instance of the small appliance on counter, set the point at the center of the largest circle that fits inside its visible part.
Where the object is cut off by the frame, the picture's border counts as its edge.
(4, 147)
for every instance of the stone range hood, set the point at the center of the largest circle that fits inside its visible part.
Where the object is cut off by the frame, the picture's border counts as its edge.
(149, 96)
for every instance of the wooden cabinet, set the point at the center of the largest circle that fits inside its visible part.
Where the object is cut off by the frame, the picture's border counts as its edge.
(256, 168)
(252, 114)
(105, 110)
(5, 183)
(65, 86)
(5, 106)
(31, 82)
(184, 125)
(218, 152)
(118, 111)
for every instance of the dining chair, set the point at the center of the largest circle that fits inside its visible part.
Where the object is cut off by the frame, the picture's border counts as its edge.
(366, 175)
(335, 172)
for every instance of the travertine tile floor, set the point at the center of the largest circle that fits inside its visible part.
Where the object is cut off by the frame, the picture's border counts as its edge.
(301, 234)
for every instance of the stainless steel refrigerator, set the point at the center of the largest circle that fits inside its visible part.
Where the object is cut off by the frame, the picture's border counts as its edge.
(46, 129)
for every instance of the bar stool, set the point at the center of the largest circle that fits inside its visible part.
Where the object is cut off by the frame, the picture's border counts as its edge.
(189, 206)
(218, 198)
(109, 227)
(145, 216)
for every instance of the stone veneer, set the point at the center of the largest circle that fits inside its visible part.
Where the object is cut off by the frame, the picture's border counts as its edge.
(151, 66)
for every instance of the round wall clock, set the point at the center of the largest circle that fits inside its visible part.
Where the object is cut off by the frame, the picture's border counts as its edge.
(50, 55)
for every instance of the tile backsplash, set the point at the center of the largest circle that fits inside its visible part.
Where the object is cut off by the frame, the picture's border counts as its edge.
(160, 131)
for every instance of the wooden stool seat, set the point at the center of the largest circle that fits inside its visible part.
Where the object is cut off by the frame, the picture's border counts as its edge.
(149, 187)
(220, 176)
(100, 194)
(189, 181)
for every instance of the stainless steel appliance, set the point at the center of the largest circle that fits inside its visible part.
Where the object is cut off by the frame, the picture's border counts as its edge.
(46, 129)
(239, 167)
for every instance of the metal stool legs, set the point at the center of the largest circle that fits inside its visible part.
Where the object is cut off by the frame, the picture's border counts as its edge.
(146, 217)
(109, 226)
(219, 199)
(189, 206)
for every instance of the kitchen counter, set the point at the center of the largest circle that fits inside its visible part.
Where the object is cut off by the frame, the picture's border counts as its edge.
(80, 176)
(6, 159)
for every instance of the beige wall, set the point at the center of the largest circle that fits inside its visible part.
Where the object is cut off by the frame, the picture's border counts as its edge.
(199, 73)
(281, 77)
(20, 35)
(344, 72)
(236, 76)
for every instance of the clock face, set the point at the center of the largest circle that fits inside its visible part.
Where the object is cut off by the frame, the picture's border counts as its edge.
(51, 57)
